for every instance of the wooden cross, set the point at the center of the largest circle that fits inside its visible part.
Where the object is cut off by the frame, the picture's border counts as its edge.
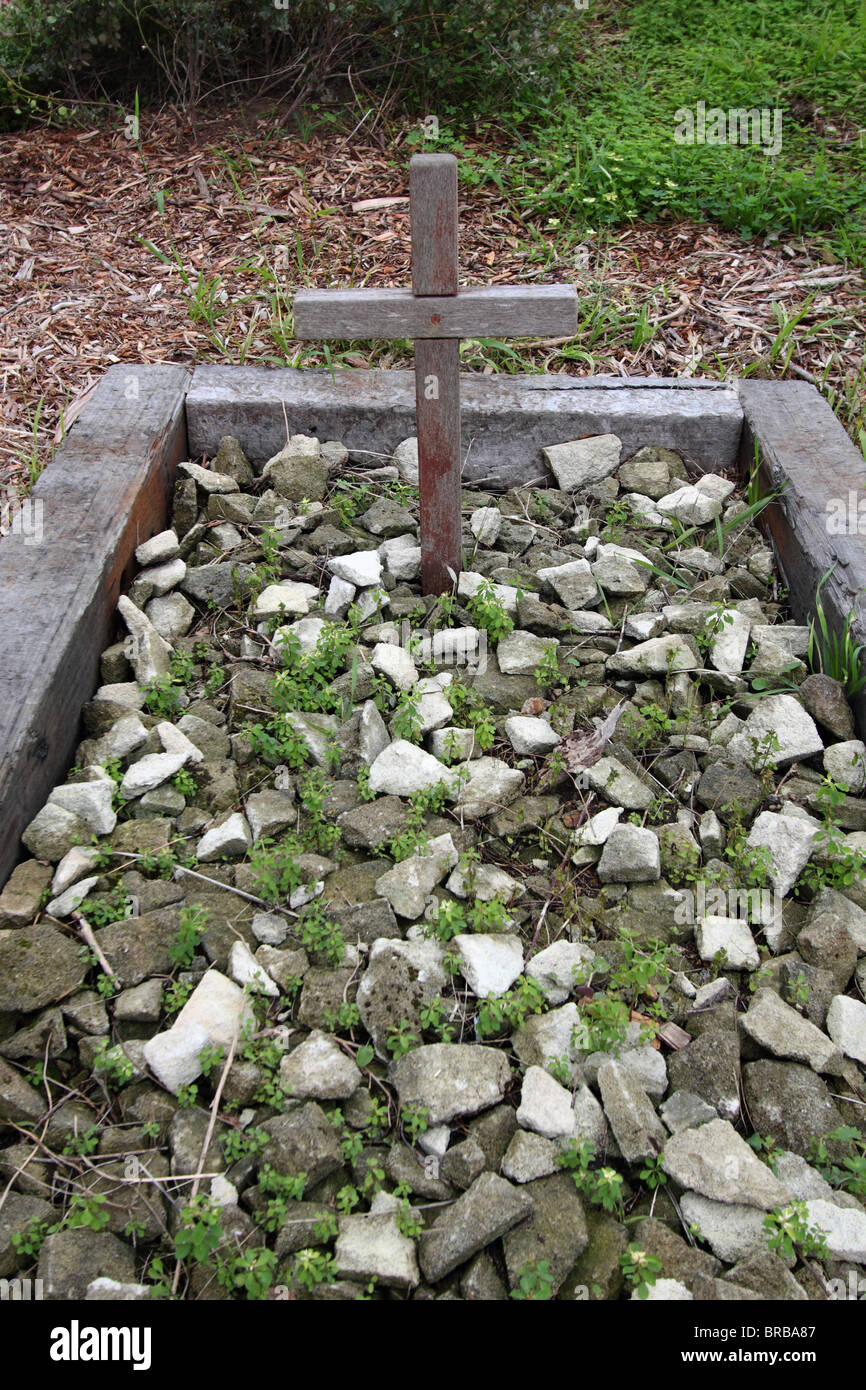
(436, 314)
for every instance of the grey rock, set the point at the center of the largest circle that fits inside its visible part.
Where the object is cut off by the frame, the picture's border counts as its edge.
(583, 461)
(784, 717)
(685, 1110)
(710, 1068)
(371, 1246)
(555, 1232)
(789, 1103)
(20, 1103)
(451, 1079)
(846, 1024)
(630, 855)
(53, 832)
(302, 1141)
(545, 1105)
(70, 1260)
(481, 1215)
(636, 1127)
(732, 1230)
(767, 1275)
(779, 1029)
(529, 1156)
(22, 895)
(38, 966)
(826, 701)
(714, 1161)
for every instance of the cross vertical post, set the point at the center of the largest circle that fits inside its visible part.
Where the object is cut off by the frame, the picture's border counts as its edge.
(433, 211)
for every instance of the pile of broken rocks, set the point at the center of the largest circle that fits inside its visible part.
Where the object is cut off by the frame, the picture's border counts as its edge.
(438, 983)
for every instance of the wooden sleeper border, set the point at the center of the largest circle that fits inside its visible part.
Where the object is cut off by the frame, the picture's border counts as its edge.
(109, 487)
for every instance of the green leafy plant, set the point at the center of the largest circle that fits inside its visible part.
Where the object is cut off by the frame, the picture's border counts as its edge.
(535, 1282)
(488, 611)
(834, 653)
(640, 1269)
(788, 1232)
(193, 921)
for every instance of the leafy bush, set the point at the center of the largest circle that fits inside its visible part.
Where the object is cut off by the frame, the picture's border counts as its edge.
(184, 49)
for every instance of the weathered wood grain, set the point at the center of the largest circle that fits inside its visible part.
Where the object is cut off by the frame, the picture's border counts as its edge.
(438, 462)
(804, 450)
(107, 489)
(433, 209)
(488, 311)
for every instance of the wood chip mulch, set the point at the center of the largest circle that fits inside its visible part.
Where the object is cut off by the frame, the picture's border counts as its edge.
(80, 288)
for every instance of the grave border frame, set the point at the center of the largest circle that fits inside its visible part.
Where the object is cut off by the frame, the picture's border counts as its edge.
(109, 487)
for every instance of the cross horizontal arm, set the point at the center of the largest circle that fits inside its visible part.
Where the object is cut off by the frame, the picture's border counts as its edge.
(489, 311)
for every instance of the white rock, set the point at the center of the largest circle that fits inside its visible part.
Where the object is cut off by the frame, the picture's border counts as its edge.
(598, 828)
(666, 1291)
(660, 656)
(164, 546)
(222, 1192)
(519, 653)
(290, 596)
(362, 568)
(215, 1011)
(631, 854)
(530, 736)
(485, 524)
(554, 969)
(489, 784)
(149, 654)
(162, 578)
(306, 630)
(317, 732)
(245, 970)
(127, 734)
(733, 1230)
(172, 616)
(846, 1024)
(781, 716)
(270, 928)
(728, 646)
(545, 1106)
(150, 772)
(405, 458)
(401, 556)
(730, 935)
(319, 1069)
(789, 842)
(487, 882)
(434, 708)
(232, 839)
(779, 1029)
(73, 866)
(409, 884)
(690, 505)
(373, 736)
(489, 963)
(395, 663)
(640, 627)
(90, 801)
(844, 1229)
(207, 480)
(468, 584)
(175, 741)
(572, 583)
(66, 903)
(340, 596)
(583, 461)
(846, 764)
(401, 769)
